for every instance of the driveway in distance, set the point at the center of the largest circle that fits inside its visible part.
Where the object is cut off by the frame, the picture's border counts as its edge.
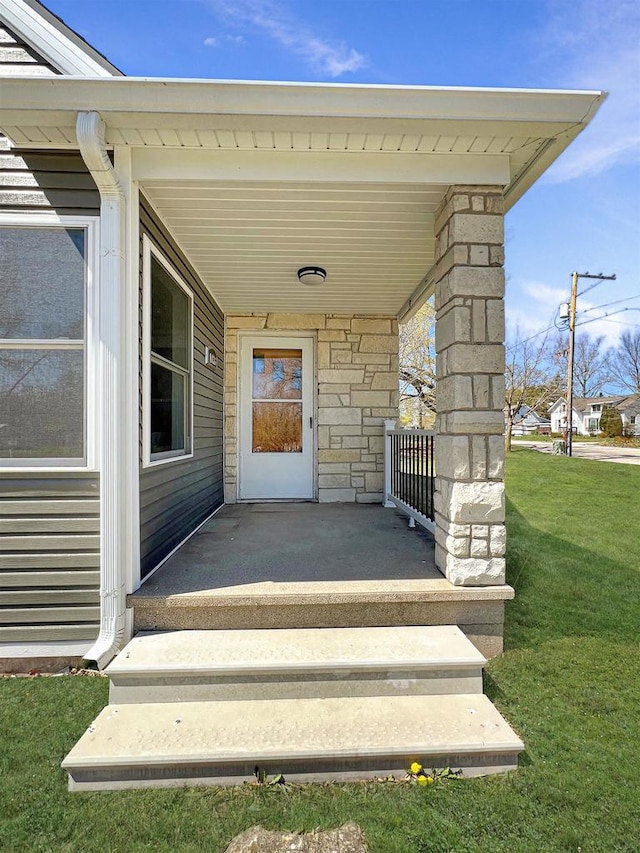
(586, 450)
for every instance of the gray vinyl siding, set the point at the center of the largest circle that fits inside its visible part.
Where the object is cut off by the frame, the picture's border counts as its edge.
(41, 181)
(177, 496)
(49, 557)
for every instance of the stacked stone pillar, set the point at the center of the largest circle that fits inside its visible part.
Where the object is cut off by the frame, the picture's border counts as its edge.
(469, 449)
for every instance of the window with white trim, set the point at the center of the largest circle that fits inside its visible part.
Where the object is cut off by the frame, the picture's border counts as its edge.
(169, 370)
(44, 329)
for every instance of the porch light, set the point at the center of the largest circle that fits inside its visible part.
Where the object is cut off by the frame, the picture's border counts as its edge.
(311, 275)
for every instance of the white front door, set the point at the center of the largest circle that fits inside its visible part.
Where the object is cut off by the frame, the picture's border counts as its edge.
(276, 418)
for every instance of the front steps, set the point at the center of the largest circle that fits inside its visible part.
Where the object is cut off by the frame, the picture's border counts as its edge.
(207, 707)
(196, 666)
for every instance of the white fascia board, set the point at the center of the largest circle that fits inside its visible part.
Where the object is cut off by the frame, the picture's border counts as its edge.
(179, 96)
(40, 29)
(362, 166)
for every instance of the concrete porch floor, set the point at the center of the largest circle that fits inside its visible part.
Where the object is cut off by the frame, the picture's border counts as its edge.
(279, 565)
(254, 546)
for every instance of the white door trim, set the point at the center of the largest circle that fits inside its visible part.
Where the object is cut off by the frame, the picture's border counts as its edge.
(265, 336)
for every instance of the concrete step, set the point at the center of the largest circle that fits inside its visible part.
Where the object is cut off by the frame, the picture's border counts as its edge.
(196, 666)
(478, 611)
(199, 743)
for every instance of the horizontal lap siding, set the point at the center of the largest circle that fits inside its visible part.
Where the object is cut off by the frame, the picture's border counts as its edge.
(49, 523)
(49, 557)
(41, 181)
(19, 58)
(176, 497)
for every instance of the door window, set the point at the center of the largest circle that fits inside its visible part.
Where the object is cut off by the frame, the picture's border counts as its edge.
(276, 401)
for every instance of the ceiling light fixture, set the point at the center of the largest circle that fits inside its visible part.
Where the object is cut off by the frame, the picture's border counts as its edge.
(311, 275)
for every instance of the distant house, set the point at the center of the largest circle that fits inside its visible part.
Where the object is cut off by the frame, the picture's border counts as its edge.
(527, 421)
(587, 411)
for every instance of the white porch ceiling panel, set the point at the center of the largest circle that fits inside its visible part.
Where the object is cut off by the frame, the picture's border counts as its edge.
(255, 180)
(247, 241)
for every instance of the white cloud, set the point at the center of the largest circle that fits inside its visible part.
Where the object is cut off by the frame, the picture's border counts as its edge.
(323, 56)
(543, 293)
(212, 41)
(532, 306)
(589, 44)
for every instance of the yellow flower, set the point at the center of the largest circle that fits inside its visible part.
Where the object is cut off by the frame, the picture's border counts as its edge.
(423, 780)
(415, 767)
(429, 780)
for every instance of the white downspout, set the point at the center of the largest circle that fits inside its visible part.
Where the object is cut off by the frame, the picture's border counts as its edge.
(112, 455)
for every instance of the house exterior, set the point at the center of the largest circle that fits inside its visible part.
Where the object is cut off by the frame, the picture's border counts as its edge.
(161, 356)
(588, 410)
(527, 421)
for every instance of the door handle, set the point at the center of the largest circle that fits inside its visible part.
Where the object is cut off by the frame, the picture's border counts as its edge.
(311, 422)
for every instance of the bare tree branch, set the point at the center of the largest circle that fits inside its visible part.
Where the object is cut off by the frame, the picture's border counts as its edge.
(417, 364)
(625, 363)
(531, 378)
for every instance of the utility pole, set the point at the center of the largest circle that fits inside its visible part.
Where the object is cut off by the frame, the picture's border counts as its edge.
(572, 341)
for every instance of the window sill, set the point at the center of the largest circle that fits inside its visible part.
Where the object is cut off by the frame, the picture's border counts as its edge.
(154, 463)
(18, 470)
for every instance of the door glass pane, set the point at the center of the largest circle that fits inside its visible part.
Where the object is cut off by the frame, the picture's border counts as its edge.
(167, 409)
(277, 374)
(169, 317)
(42, 404)
(277, 428)
(42, 283)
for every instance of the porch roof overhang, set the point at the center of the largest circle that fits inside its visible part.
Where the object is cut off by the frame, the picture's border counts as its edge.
(255, 180)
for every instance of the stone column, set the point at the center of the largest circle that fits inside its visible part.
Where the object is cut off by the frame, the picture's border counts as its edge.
(469, 447)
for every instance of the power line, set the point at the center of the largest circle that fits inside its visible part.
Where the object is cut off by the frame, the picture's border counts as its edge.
(608, 304)
(620, 323)
(610, 314)
(591, 286)
(537, 335)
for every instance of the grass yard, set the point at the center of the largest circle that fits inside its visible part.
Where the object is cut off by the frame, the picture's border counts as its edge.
(569, 682)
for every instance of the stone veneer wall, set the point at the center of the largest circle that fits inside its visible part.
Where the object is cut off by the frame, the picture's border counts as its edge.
(469, 448)
(357, 375)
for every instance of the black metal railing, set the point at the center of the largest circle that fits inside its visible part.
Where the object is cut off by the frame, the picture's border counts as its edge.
(412, 471)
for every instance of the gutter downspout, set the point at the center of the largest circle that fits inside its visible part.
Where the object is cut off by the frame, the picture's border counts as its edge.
(90, 131)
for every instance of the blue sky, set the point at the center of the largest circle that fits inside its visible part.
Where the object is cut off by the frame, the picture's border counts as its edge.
(583, 214)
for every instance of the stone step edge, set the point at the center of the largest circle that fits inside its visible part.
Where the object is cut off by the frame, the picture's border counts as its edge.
(479, 749)
(215, 598)
(477, 746)
(160, 671)
(469, 658)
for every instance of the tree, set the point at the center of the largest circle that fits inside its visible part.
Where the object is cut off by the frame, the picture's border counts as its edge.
(591, 363)
(417, 365)
(610, 422)
(531, 379)
(591, 367)
(625, 362)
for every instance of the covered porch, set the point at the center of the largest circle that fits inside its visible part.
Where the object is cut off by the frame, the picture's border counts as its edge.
(303, 565)
(397, 194)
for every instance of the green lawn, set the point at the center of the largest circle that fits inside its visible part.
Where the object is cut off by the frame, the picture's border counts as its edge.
(569, 683)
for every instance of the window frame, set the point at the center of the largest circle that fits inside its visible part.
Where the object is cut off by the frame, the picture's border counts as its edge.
(90, 345)
(151, 460)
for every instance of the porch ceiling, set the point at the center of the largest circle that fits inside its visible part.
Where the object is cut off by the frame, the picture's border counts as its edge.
(258, 179)
(247, 241)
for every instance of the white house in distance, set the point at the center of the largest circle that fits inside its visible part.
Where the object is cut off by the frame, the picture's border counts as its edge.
(527, 421)
(202, 285)
(587, 411)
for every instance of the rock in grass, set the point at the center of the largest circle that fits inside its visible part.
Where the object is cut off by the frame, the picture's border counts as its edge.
(346, 839)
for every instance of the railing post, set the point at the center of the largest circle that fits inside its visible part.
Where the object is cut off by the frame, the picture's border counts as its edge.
(388, 461)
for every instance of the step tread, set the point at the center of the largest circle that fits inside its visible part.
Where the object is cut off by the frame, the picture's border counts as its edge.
(303, 649)
(286, 730)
